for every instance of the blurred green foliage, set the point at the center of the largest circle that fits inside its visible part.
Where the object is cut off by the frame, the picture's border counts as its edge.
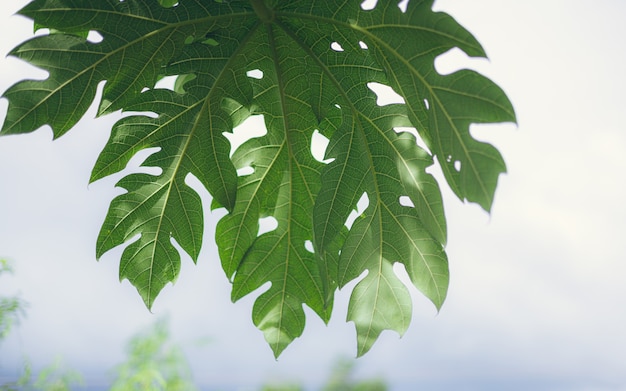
(340, 379)
(11, 308)
(54, 377)
(154, 363)
(282, 387)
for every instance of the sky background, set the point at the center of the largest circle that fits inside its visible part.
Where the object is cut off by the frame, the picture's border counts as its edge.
(537, 293)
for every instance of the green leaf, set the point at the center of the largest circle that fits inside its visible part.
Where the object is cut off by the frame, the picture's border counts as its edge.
(306, 67)
(441, 107)
(284, 184)
(387, 232)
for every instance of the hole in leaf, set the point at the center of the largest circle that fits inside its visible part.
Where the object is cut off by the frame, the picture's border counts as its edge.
(368, 4)
(403, 5)
(135, 164)
(363, 45)
(434, 169)
(406, 201)
(255, 74)
(361, 206)
(427, 104)
(267, 224)
(454, 60)
(457, 165)
(155, 171)
(194, 183)
(399, 269)
(181, 250)
(308, 245)
(386, 95)
(336, 47)
(253, 126)
(94, 37)
(245, 171)
(319, 144)
(337, 106)
(166, 82)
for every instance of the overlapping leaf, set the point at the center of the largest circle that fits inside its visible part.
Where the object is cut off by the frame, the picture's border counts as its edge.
(313, 62)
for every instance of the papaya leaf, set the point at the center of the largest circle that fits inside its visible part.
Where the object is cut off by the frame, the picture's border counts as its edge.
(306, 66)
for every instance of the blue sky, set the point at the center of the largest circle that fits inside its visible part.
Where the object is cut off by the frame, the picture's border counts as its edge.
(537, 290)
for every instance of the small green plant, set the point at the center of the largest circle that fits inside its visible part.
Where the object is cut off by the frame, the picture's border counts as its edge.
(282, 387)
(340, 379)
(11, 308)
(54, 377)
(154, 363)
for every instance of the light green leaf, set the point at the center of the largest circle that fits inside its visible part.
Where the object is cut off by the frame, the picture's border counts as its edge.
(441, 107)
(284, 185)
